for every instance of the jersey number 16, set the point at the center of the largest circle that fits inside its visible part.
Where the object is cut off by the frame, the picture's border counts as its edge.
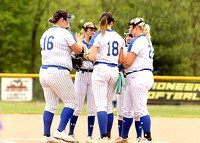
(48, 43)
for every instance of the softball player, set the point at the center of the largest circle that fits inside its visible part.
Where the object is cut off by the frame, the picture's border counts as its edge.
(124, 106)
(106, 51)
(139, 67)
(83, 84)
(57, 44)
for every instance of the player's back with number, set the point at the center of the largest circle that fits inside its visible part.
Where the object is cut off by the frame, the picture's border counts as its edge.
(145, 52)
(109, 46)
(53, 43)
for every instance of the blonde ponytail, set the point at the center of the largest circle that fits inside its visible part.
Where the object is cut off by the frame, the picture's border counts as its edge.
(147, 32)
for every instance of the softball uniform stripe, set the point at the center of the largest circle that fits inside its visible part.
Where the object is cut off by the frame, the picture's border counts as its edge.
(144, 54)
(54, 78)
(55, 44)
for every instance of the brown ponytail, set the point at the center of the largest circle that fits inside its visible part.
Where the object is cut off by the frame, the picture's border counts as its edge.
(103, 25)
(105, 20)
(57, 15)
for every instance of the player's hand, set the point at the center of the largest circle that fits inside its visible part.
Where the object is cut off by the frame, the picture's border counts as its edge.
(78, 38)
(122, 70)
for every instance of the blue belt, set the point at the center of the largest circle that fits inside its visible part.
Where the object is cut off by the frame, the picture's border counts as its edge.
(108, 64)
(85, 70)
(59, 67)
(138, 71)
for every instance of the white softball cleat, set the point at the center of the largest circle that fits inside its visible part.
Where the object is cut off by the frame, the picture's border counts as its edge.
(63, 136)
(76, 141)
(139, 139)
(104, 140)
(117, 139)
(46, 139)
(146, 141)
(89, 140)
(121, 140)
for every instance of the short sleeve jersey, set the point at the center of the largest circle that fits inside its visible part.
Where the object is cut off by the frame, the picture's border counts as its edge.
(108, 46)
(86, 64)
(55, 44)
(144, 54)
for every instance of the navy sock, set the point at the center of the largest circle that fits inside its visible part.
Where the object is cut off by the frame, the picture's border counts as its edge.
(72, 125)
(126, 124)
(110, 123)
(120, 127)
(146, 123)
(114, 103)
(47, 120)
(64, 118)
(91, 120)
(138, 128)
(103, 122)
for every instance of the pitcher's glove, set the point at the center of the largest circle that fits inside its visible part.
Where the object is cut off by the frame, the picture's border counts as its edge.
(85, 52)
(77, 60)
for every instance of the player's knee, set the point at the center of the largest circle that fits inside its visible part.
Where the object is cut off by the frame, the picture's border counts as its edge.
(141, 113)
(77, 112)
(120, 114)
(51, 109)
(91, 112)
(101, 108)
(71, 104)
(109, 109)
(128, 114)
(120, 117)
(137, 118)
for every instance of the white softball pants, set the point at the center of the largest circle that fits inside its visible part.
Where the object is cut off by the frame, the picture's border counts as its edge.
(139, 83)
(104, 81)
(57, 84)
(83, 84)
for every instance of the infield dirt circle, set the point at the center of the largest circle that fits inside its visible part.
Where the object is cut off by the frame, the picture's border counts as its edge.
(27, 128)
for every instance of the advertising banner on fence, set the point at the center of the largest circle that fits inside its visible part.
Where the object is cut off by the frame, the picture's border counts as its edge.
(16, 89)
(174, 92)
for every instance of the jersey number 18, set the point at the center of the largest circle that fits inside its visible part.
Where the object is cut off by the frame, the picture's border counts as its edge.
(113, 48)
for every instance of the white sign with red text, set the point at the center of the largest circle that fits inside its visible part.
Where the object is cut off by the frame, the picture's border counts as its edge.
(16, 89)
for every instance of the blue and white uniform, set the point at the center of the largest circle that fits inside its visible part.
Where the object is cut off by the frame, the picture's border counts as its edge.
(55, 75)
(105, 75)
(83, 84)
(139, 74)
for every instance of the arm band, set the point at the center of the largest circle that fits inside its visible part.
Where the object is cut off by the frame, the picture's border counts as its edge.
(121, 66)
(89, 60)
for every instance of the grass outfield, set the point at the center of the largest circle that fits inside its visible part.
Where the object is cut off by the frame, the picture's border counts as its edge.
(184, 111)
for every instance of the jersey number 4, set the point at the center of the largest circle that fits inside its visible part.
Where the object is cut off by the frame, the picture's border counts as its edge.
(48, 43)
(113, 48)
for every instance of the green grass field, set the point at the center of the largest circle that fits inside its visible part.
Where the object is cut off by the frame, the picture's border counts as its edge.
(183, 111)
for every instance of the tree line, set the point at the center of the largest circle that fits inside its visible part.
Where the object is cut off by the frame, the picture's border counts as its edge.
(175, 30)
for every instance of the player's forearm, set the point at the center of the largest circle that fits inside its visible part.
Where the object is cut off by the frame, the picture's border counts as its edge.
(91, 57)
(76, 48)
(126, 64)
(93, 53)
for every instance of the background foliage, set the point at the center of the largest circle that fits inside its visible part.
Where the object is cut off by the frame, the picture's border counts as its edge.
(175, 28)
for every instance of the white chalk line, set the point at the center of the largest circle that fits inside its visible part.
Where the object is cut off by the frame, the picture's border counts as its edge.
(37, 139)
